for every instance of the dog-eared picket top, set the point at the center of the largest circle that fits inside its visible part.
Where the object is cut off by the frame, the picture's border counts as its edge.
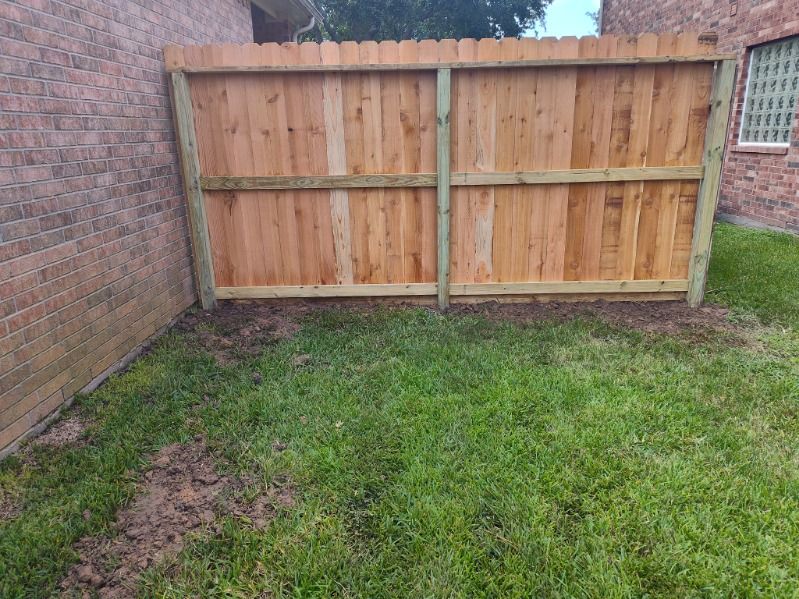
(503, 168)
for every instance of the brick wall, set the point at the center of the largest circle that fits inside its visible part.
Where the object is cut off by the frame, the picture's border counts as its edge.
(94, 247)
(764, 187)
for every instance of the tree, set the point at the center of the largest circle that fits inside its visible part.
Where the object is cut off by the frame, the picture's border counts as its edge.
(594, 16)
(378, 20)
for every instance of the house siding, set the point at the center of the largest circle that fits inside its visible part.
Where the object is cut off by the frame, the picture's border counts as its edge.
(94, 244)
(763, 187)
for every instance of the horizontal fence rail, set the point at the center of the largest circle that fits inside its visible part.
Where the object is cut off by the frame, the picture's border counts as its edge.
(472, 289)
(433, 66)
(452, 169)
(587, 175)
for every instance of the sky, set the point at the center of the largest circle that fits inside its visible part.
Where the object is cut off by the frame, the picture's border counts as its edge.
(567, 17)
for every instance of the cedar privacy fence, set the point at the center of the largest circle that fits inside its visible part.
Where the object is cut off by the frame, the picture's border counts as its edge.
(455, 168)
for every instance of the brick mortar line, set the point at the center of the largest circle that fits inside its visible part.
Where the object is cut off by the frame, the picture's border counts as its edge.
(80, 346)
(115, 20)
(78, 115)
(184, 239)
(81, 176)
(65, 332)
(110, 171)
(84, 100)
(79, 162)
(88, 342)
(91, 386)
(78, 253)
(47, 81)
(94, 219)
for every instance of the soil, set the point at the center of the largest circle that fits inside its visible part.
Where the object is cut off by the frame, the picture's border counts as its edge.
(240, 330)
(249, 325)
(181, 493)
(65, 431)
(9, 509)
(669, 317)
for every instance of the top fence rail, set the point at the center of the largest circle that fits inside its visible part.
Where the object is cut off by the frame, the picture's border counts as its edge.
(365, 56)
(432, 66)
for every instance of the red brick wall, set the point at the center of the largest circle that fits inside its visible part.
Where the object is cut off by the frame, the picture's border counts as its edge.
(94, 247)
(764, 187)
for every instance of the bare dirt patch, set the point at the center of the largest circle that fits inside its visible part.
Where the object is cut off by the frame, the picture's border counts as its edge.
(240, 330)
(245, 327)
(66, 431)
(669, 317)
(9, 509)
(181, 493)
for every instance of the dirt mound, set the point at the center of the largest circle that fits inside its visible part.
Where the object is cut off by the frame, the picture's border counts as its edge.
(670, 317)
(240, 330)
(181, 493)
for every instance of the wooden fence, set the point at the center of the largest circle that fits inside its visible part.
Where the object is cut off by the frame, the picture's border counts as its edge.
(452, 168)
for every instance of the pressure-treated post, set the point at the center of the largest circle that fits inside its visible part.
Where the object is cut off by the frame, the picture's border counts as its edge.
(715, 138)
(443, 182)
(190, 165)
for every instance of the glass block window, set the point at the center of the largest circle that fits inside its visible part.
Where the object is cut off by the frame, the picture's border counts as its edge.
(771, 93)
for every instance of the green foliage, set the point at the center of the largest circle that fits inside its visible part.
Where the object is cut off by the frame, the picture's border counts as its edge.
(594, 16)
(378, 20)
(756, 272)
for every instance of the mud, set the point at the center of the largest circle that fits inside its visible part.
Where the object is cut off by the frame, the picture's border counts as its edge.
(668, 317)
(181, 493)
(237, 331)
(253, 324)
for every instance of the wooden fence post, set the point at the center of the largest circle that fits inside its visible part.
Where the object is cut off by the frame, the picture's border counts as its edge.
(443, 182)
(190, 166)
(715, 139)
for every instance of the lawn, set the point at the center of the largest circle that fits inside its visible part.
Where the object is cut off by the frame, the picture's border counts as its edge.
(454, 455)
(756, 272)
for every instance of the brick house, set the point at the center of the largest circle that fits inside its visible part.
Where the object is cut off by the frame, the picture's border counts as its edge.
(760, 180)
(94, 244)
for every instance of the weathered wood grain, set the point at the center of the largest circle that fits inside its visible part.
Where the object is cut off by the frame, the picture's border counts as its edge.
(491, 64)
(716, 137)
(190, 166)
(456, 289)
(578, 175)
(568, 161)
(442, 180)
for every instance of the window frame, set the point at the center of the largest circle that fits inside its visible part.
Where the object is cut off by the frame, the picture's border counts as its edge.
(761, 144)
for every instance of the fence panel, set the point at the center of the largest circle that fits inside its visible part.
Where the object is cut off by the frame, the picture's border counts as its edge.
(575, 164)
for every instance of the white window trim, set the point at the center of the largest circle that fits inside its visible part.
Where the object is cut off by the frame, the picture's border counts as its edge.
(760, 144)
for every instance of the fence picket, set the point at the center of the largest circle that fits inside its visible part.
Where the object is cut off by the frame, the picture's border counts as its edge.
(571, 161)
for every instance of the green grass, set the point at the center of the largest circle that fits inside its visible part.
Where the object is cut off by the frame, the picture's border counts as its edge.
(756, 272)
(445, 456)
